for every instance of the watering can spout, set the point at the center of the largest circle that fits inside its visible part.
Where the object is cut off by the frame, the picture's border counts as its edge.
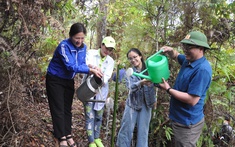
(141, 75)
(130, 72)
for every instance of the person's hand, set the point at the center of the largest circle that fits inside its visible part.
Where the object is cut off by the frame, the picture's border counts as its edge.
(96, 72)
(146, 82)
(166, 49)
(94, 67)
(164, 85)
(99, 69)
(170, 52)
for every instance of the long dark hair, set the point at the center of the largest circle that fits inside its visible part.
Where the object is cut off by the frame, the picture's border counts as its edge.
(137, 51)
(77, 28)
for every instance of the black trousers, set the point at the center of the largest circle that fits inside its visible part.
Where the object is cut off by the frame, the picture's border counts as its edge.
(60, 94)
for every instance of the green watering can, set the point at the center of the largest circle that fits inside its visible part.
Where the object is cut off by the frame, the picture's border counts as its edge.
(157, 67)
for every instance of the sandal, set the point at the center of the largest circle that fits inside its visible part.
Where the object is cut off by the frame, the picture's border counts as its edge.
(71, 145)
(60, 140)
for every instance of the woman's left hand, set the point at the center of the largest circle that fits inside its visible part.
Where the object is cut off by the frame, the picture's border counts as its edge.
(96, 72)
(146, 82)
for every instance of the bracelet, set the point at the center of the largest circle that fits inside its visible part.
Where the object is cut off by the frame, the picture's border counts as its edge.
(168, 90)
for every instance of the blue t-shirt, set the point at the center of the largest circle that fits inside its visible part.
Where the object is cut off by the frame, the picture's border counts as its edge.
(121, 75)
(68, 60)
(195, 79)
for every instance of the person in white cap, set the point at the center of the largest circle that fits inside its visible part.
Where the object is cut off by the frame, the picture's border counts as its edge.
(94, 110)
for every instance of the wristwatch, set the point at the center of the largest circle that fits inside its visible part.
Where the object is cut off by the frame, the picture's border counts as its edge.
(168, 90)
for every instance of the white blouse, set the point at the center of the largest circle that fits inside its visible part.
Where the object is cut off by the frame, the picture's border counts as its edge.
(107, 65)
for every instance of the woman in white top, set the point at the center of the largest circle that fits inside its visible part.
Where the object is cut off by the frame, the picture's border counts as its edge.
(99, 59)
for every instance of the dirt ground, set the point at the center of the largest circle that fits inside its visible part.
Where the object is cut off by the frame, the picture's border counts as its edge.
(34, 127)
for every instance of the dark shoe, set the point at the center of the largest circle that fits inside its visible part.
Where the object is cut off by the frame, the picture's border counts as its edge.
(60, 140)
(71, 145)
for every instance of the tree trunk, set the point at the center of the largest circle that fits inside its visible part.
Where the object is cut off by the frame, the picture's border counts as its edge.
(102, 22)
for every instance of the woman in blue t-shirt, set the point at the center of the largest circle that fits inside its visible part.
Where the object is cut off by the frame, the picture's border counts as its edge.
(68, 59)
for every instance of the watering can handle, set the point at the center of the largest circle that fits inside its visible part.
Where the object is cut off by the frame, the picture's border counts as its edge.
(143, 71)
(160, 51)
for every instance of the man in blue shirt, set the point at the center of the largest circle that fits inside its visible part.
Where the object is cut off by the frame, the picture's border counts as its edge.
(189, 92)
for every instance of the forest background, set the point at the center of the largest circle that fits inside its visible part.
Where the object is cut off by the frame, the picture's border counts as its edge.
(31, 30)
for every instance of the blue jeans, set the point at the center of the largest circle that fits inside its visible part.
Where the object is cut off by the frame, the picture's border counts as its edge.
(93, 120)
(131, 118)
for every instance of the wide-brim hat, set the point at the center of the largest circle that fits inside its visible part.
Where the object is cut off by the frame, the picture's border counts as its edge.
(109, 42)
(196, 38)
